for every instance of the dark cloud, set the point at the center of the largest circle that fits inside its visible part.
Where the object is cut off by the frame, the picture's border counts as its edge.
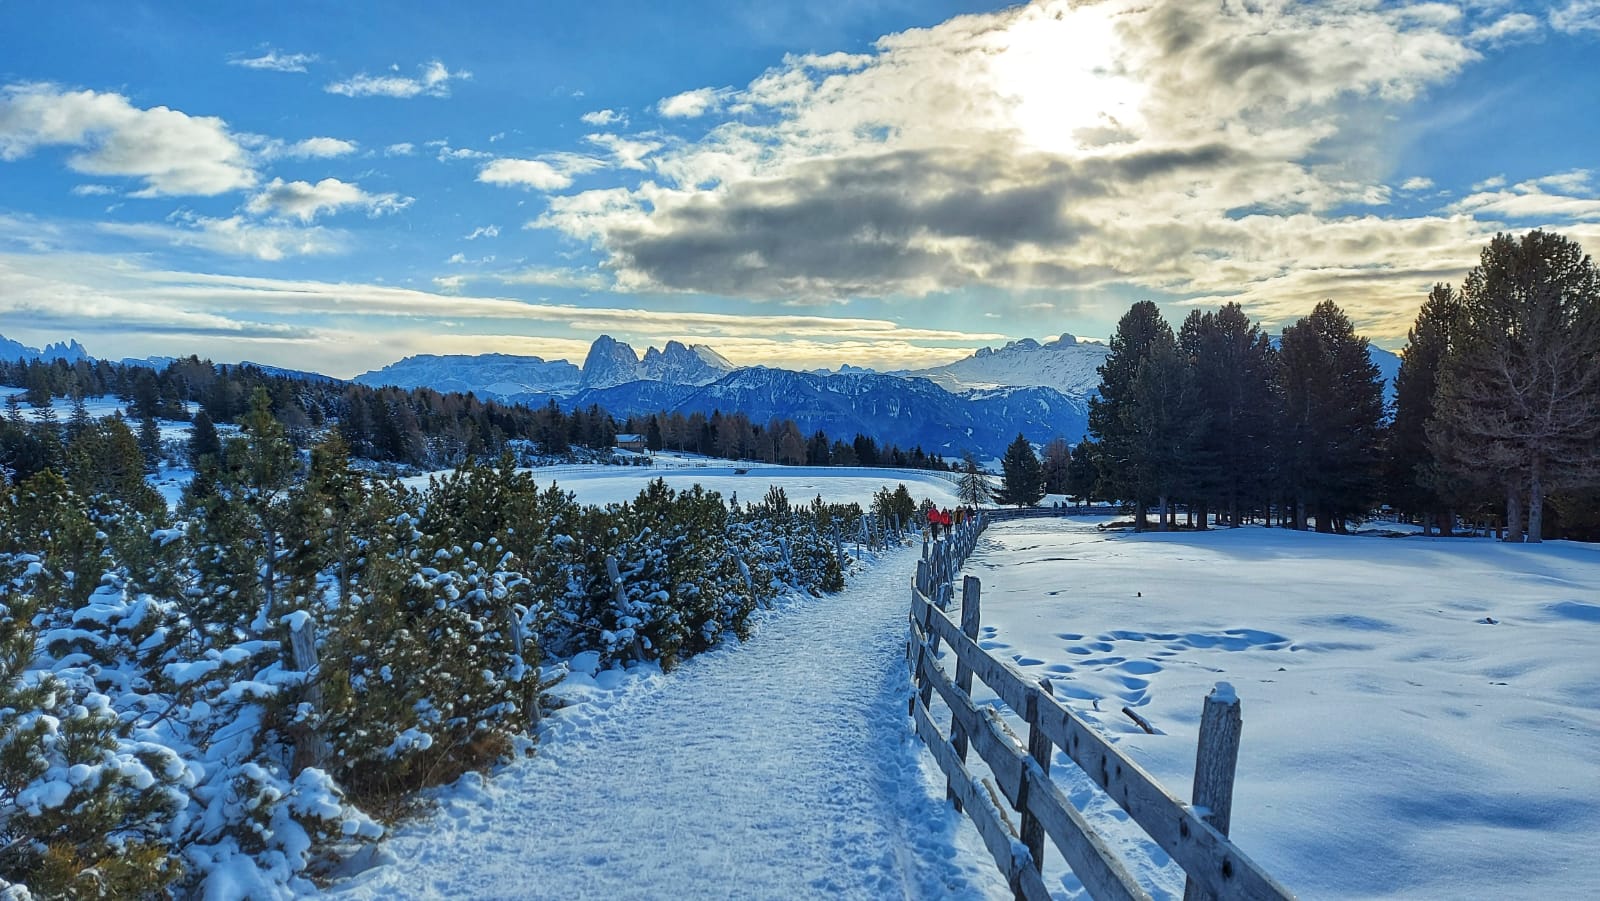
(888, 223)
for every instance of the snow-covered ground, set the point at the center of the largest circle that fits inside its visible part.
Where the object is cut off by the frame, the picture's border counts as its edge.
(1421, 716)
(780, 767)
(600, 484)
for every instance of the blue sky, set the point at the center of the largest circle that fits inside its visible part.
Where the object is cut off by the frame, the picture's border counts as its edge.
(885, 183)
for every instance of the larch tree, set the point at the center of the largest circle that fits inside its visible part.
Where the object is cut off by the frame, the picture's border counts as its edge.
(1518, 401)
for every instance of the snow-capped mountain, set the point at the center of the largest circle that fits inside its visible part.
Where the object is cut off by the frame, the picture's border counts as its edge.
(487, 375)
(1066, 364)
(908, 412)
(611, 362)
(70, 351)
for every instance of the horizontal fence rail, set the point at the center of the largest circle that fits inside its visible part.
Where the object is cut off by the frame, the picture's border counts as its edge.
(1193, 835)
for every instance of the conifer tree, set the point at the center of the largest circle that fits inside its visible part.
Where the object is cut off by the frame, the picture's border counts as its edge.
(1021, 475)
(1110, 417)
(1231, 362)
(1333, 403)
(1417, 484)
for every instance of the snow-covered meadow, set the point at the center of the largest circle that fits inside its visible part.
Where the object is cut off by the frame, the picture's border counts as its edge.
(1422, 716)
(600, 485)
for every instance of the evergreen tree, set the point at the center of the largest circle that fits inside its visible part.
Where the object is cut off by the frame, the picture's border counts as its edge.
(1021, 475)
(1161, 421)
(150, 443)
(1057, 463)
(203, 440)
(1082, 471)
(1417, 485)
(1231, 362)
(1110, 419)
(1333, 403)
(1518, 400)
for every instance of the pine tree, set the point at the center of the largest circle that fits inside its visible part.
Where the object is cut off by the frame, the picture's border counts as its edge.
(1082, 471)
(1109, 414)
(1333, 403)
(1057, 464)
(1021, 475)
(1232, 363)
(203, 440)
(1417, 485)
(1162, 422)
(1518, 401)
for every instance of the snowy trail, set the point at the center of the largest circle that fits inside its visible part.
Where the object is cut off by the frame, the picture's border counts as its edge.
(775, 768)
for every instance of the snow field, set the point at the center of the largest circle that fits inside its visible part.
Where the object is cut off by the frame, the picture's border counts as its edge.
(1421, 716)
(601, 485)
(780, 767)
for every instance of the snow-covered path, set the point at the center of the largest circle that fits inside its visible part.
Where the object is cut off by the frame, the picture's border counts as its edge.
(775, 768)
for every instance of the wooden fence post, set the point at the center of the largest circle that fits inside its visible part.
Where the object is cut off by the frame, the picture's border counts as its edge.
(313, 750)
(971, 594)
(1216, 757)
(1032, 831)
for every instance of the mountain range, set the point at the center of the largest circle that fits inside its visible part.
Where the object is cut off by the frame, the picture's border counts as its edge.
(979, 403)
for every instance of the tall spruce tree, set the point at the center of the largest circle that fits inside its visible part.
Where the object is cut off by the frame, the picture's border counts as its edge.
(1417, 486)
(1110, 421)
(1021, 475)
(1333, 406)
(1231, 360)
(1518, 401)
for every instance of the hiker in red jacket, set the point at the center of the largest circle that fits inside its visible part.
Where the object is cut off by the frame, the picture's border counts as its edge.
(933, 522)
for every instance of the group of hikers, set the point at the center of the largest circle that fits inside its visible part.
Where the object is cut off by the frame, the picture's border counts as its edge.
(946, 519)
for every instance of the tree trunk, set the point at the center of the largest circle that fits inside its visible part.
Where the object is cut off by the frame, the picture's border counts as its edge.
(1447, 523)
(1161, 513)
(1536, 503)
(1299, 515)
(1513, 516)
(1140, 521)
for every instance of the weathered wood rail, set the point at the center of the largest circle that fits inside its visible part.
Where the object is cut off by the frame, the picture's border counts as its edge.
(1194, 835)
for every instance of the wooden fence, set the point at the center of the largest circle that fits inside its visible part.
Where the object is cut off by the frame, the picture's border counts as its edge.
(1195, 836)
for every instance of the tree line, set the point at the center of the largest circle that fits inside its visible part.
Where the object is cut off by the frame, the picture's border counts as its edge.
(733, 436)
(1496, 414)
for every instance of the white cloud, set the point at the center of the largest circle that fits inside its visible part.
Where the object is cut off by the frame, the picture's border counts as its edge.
(1416, 183)
(320, 148)
(484, 231)
(93, 190)
(235, 236)
(448, 153)
(305, 200)
(276, 61)
(433, 80)
(172, 152)
(552, 172)
(1576, 17)
(402, 149)
(310, 148)
(690, 104)
(604, 117)
(626, 153)
(1562, 196)
(1508, 29)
